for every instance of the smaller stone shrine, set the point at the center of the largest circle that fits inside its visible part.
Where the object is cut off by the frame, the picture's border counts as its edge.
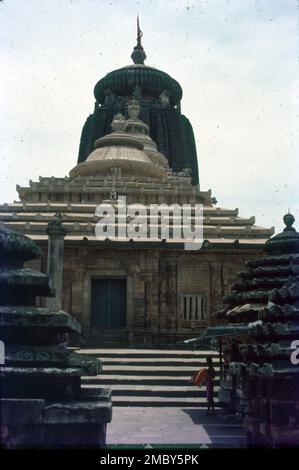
(42, 402)
(263, 374)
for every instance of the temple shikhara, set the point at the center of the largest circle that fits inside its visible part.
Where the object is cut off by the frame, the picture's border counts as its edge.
(137, 144)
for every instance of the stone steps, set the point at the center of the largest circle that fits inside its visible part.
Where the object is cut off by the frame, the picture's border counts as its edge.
(159, 401)
(140, 379)
(152, 370)
(140, 353)
(155, 378)
(156, 363)
(153, 391)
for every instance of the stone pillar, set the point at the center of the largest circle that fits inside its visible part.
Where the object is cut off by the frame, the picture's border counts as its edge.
(56, 233)
(216, 288)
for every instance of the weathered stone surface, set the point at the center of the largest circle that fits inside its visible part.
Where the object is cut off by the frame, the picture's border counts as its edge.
(56, 436)
(15, 411)
(24, 276)
(46, 371)
(15, 247)
(77, 412)
(52, 356)
(14, 316)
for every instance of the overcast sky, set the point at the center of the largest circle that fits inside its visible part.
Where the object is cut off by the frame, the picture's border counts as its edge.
(237, 62)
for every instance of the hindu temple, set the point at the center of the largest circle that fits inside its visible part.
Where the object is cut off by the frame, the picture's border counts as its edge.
(137, 144)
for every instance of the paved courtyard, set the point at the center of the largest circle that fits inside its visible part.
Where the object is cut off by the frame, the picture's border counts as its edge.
(172, 426)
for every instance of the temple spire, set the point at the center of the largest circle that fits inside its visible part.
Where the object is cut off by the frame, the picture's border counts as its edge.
(139, 33)
(138, 55)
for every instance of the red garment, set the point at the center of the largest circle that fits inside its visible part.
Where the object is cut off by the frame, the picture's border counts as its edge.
(209, 388)
(210, 384)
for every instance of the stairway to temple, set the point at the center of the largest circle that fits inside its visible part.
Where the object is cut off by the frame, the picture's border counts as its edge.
(151, 377)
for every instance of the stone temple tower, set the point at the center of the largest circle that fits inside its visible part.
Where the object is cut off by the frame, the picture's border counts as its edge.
(159, 96)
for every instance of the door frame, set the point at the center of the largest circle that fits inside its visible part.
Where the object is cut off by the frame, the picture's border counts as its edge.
(105, 274)
(110, 322)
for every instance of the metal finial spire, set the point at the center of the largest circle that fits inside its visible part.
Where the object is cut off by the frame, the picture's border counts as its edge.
(139, 33)
(138, 55)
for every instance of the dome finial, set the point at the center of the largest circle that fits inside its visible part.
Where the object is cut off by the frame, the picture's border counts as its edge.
(138, 55)
(285, 242)
(289, 220)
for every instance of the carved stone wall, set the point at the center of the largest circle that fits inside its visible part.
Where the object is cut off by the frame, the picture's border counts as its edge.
(156, 282)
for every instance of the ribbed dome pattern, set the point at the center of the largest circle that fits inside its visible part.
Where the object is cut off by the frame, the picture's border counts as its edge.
(152, 82)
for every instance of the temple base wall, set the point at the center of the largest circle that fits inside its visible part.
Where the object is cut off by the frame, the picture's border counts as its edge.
(170, 294)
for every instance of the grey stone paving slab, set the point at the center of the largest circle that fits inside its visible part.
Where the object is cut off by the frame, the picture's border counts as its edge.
(171, 426)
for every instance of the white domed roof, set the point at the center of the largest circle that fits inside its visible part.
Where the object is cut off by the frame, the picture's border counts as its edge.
(120, 150)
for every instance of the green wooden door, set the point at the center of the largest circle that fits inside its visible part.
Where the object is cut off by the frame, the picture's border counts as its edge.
(108, 302)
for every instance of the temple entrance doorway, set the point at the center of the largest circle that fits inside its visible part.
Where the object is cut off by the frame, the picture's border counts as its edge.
(108, 302)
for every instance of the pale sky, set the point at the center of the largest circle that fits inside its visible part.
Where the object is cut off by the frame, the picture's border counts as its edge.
(237, 62)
